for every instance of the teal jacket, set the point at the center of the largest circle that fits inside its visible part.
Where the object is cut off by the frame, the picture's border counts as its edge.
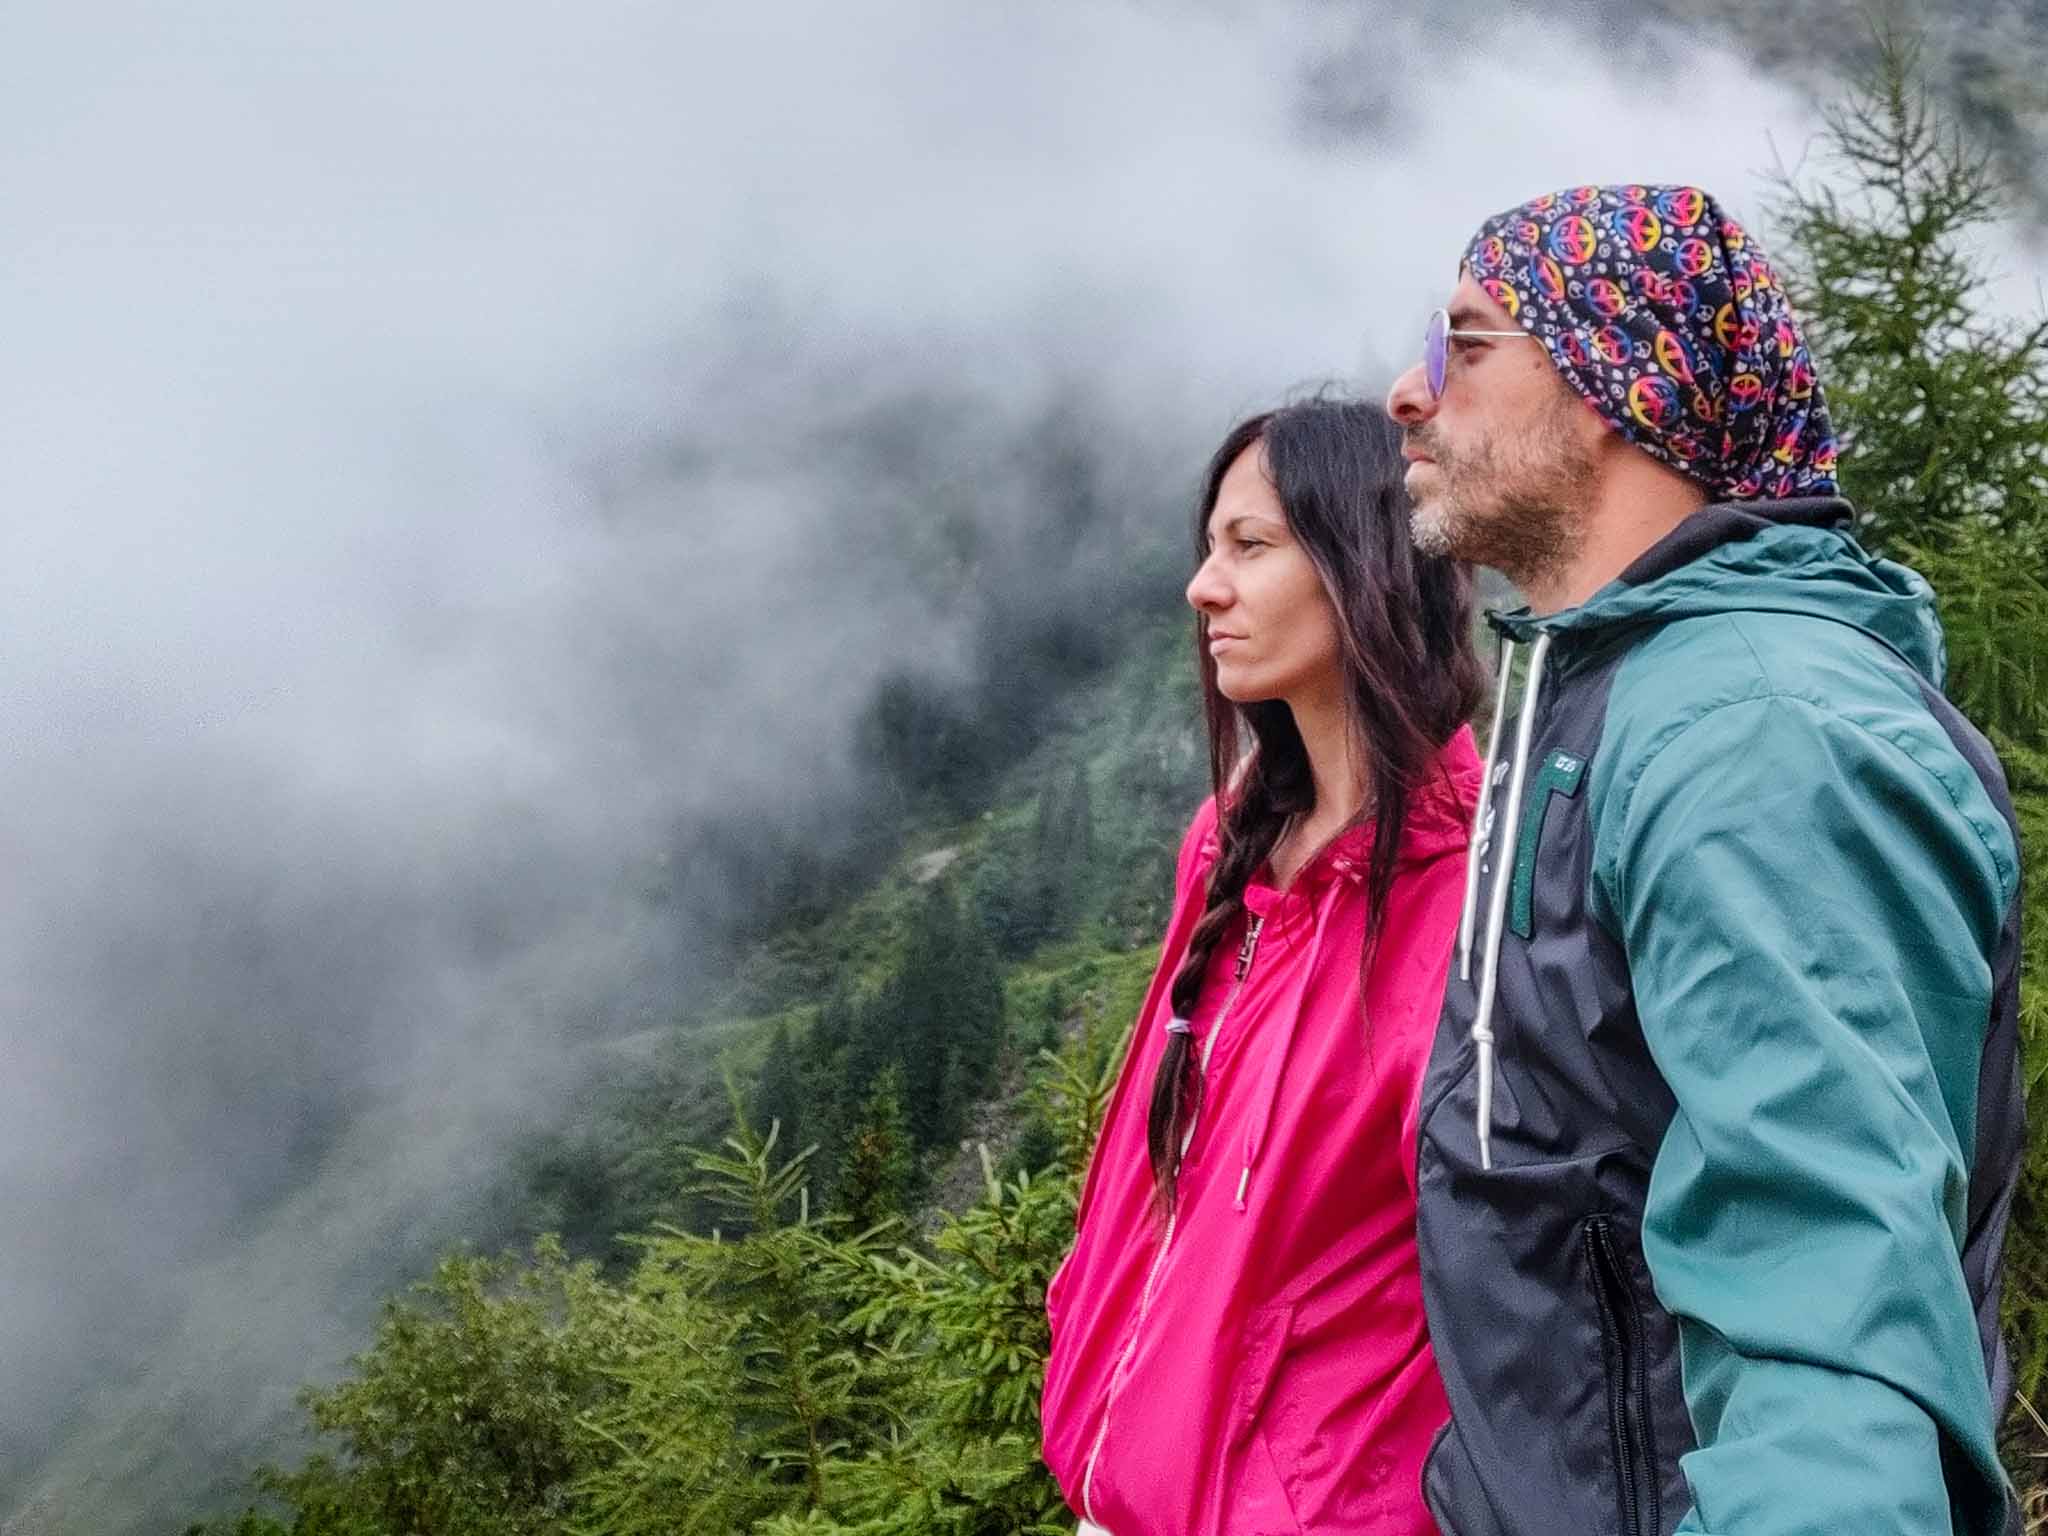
(1723, 1121)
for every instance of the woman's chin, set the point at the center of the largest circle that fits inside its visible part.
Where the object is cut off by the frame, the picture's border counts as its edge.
(1242, 691)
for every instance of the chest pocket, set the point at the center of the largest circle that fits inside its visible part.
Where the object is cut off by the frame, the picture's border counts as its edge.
(1561, 774)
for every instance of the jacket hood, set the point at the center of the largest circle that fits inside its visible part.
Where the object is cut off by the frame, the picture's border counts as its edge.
(1794, 556)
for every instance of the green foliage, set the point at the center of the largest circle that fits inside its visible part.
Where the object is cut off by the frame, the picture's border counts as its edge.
(1094, 857)
(625, 1166)
(747, 1383)
(1994, 613)
(878, 1158)
(1030, 889)
(968, 1321)
(1939, 405)
(1071, 1093)
(923, 741)
(780, 1097)
(780, 1373)
(1156, 770)
(251, 1522)
(1037, 1149)
(464, 1417)
(1063, 843)
(938, 1019)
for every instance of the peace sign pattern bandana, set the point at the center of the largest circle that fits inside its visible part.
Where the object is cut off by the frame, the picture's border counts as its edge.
(1665, 314)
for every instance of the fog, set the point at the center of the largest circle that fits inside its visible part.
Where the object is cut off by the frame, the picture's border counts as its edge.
(432, 483)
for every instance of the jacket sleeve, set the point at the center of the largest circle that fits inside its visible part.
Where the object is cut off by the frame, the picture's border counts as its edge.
(1808, 910)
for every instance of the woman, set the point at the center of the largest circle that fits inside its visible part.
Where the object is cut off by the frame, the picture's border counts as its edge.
(1238, 1338)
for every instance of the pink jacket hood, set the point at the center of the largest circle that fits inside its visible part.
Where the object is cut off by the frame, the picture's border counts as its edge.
(1261, 1364)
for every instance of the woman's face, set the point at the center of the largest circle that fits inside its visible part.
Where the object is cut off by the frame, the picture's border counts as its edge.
(1268, 622)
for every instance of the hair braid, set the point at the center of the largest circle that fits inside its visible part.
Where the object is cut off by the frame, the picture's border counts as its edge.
(1248, 831)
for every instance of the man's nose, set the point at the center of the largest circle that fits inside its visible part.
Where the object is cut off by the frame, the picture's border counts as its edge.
(1409, 401)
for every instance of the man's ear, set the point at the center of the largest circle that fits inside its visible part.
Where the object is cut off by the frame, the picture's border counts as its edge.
(1597, 435)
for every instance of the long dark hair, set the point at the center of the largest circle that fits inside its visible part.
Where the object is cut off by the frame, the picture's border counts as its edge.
(1412, 676)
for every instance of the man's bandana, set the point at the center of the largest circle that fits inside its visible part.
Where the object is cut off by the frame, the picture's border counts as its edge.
(1665, 314)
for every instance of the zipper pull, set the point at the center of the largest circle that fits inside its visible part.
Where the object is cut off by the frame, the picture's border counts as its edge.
(1251, 943)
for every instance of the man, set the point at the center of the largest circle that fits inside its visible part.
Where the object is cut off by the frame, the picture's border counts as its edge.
(1723, 1119)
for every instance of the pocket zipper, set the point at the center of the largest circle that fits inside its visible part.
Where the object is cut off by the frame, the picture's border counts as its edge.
(1621, 1337)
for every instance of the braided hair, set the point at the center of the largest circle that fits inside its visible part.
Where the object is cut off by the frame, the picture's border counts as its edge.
(1412, 677)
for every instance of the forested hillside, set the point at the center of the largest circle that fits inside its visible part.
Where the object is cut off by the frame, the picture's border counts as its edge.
(772, 1223)
(879, 1031)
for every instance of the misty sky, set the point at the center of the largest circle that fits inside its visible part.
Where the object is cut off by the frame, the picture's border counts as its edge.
(419, 497)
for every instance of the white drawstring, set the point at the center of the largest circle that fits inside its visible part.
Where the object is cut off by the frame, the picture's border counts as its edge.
(1482, 813)
(1497, 897)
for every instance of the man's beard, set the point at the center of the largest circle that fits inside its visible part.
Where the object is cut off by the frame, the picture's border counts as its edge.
(1523, 513)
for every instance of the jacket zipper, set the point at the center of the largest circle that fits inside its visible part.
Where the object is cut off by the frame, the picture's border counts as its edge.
(1621, 1329)
(1245, 952)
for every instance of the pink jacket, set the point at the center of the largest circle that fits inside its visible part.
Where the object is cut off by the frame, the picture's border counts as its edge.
(1262, 1365)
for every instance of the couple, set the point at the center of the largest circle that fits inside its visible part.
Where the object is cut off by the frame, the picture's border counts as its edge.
(1617, 1136)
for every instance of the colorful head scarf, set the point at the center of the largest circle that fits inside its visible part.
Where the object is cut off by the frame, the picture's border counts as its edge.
(1663, 312)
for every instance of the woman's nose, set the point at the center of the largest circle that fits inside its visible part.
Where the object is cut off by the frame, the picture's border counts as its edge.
(1207, 591)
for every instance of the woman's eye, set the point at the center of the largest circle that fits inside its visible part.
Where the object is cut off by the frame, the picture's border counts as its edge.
(1251, 544)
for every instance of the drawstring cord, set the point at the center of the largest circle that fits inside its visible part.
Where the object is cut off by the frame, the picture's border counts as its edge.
(1482, 812)
(1497, 896)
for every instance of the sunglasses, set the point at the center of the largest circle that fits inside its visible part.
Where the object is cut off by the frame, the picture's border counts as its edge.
(1436, 348)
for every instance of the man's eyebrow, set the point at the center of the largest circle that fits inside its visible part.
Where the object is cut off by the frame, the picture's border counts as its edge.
(1464, 316)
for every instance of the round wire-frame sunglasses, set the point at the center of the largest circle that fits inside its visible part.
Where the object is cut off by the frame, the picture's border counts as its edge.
(1436, 348)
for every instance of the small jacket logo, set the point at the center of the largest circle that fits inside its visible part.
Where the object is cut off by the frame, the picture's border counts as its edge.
(1559, 775)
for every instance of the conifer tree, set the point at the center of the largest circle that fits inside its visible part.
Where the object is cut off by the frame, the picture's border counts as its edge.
(878, 1158)
(1007, 898)
(780, 1096)
(1938, 401)
(1066, 846)
(747, 1386)
(830, 1095)
(966, 1321)
(1078, 825)
(940, 1017)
